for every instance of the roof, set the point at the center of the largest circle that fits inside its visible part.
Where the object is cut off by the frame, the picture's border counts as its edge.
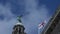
(19, 23)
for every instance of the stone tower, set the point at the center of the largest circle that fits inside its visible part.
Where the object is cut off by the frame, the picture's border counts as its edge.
(18, 28)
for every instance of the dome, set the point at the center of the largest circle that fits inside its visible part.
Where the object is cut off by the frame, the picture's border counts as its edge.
(19, 23)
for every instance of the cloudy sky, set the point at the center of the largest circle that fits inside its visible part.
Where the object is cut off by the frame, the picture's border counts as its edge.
(33, 11)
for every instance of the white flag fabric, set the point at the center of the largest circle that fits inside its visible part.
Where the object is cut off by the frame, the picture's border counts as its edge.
(41, 26)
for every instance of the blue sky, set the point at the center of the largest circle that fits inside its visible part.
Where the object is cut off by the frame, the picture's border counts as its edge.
(33, 11)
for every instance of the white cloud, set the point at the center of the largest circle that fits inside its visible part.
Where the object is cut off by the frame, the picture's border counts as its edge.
(6, 25)
(30, 21)
(6, 11)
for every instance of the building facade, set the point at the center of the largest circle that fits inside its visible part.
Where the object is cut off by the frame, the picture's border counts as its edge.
(53, 26)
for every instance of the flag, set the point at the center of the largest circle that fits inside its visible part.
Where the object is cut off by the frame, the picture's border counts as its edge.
(41, 27)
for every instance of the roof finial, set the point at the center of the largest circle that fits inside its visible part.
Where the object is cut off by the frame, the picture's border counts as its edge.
(19, 19)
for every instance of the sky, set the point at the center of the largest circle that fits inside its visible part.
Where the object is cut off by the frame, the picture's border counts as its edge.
(34, 12)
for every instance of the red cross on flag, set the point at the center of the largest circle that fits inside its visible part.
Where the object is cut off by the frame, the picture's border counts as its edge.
(41, 25)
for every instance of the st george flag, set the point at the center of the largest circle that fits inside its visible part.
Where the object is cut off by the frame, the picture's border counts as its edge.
(41, 26)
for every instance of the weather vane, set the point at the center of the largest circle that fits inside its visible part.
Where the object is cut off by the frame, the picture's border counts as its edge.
(19, 18)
